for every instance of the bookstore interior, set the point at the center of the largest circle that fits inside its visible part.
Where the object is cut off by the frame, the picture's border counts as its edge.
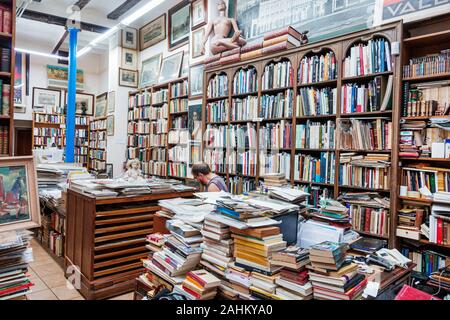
(224, 150)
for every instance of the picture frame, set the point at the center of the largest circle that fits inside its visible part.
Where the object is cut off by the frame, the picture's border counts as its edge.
(101, 102)
(58, 77)
(111, 101)
(110, 170)
(128, 78)
(83, 101)
(185, 65)
(129, 59)
(196, 81)
(170, 68)
(44, 98)
(199, 13)
(153, 32)
(195, 122)
(150, 69)
(179, 25)
(197, 43)
(19, 202)
(129, 38)
(110, 125)
(20, 84)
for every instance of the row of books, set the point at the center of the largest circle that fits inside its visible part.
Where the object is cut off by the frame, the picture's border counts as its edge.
(426, 261)
(428, 65)
(97, 125)
(139, 100)
(365, 134)
(98, 165)
(97, 154)
(371, 220)
(49, 141)
(242, 136)
(315, 135)
(5, 19)
(238, 185)
(178, 136)
(179, 122)
(242, 163)
(218, 86)
(216, 136)
(275, 163)
(179, 89)
(148, 113)
(217, 111)
(316, 101)
(275, 135)
(178, 154)
(439, 223)
(5, 90)
(314, 169)
(159, 97)
(178, 105)
(317, 68)
(154, 168)
(277, 106)
(429, 99)
(48, 118)
(429, 178)
(278, 75)
(245, 81)
(177, 169)
(148, 154)
(364, 173)
(49, 132)
(244, 109)
(5, 59)
(97, 144)
(370, 58)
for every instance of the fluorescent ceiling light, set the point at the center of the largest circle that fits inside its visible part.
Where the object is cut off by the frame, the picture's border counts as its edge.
(83, 51)
(140, 12)
(43, 54)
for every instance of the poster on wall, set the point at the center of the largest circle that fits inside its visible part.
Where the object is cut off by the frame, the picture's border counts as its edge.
(195, 122)
(19, 82)
(323, 19)
(57, 77)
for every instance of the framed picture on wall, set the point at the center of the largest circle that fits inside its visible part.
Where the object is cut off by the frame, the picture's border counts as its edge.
(129, 38)
(128, 78)
(179, 25)
(199, 13)
(150, 71)
(197, 42)
(19, 194)
(129, 59)
(101, 102)
(170, 69)
(196, 80)
(109, 170)
(46, 98)
(84, 103)
(185, 65)
(153, 32)
(195, 122)
(110, 125)
(111, 101)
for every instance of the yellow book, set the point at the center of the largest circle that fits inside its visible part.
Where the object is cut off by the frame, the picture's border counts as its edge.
(253, 258)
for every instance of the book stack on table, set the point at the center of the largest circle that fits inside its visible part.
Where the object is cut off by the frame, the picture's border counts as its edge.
(332, 276)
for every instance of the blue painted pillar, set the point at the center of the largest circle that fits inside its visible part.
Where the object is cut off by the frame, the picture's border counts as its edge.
(71, 92)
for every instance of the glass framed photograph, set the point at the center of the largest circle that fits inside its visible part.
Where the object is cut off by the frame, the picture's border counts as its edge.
(19, 202)
(110, 125)
(197, 42)
(196, 80)
(179, 25)
(150, 71)
(84, 103)
(129, 59)
(45, 98)
(170, 69)
(129, 38)
(199, 13)
(185, 65)
(101, 102)
(128, 78)
(111, 101)
(152, 33)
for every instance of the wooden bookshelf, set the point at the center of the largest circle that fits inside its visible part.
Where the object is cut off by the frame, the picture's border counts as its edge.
(421, 39)
(174, 95)
(97, 145)
(8, 40)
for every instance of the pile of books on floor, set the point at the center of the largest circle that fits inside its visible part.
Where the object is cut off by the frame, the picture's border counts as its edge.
(155, 242)
(332, 276)
(293, 282)
(198, 285)
(15, 255)
(236, 285)
(217, 247)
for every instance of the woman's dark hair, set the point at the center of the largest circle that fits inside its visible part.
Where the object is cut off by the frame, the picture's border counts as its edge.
(202, 168)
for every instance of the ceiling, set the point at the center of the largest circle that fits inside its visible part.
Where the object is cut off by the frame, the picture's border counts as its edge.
(34, 30)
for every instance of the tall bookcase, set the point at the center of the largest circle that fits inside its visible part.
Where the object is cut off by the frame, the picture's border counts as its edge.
(97, 145)
(223, 77)
(421, 39)
(7, 41)
(152, 114)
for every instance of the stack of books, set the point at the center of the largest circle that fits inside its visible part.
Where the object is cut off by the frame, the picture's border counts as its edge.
(217, 247)
(198, 285)
(280, 40)
(293, 278)
(332, 277)
(264, 286)
(274, 179)
(412, 140)
(237, 283)
(155, 241)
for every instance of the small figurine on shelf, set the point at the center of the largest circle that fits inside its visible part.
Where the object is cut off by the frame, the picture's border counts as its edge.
(133, 172)
(304, 37)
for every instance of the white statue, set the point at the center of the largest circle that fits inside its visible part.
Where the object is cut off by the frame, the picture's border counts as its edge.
(134, 172)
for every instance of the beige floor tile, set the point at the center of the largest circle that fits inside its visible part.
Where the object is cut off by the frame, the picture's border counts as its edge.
(55, 280)
(126, 296)
(39, 285)
(50, 268)
(63, 293)
(42, 295)
(32, 274)
(79, 298)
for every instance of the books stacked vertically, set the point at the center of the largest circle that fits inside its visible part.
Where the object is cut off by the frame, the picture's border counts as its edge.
(236, 284)
(275, 163)
(15, 254)
(315, 135)
(316, 101)
(373, 57)
(440, 224)
(366, 134)
(311, 169)
(317, 68)
(198, 285)
(282, 39)
(428, 65)
(293, 282)
(427, 261)
(4, 140)
(274, 136)
(331, 276)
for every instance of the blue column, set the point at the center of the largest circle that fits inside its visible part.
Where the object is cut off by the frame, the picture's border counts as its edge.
(71, 92)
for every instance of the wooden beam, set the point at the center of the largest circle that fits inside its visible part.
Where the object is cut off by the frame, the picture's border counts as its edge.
(60, 42)
(122, 9)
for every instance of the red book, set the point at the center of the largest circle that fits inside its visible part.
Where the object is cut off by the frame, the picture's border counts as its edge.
(231, 52)
(191, 292)
(251, 47)
(7, 21)
(361, 60)
(213, 58)
(410, 293)
(278, 47)
(439, 231)
(367, 223)
(15, 289)
(281, 32)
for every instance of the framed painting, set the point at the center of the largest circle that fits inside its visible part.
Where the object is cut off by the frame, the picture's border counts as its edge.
(111, 101)
(110, 125)
(179, 25)
(196, 80)
(129, 38)
(84, 103)
(185, 65)
(19, 202)
(129, 59)
(128, 78)
(45, 98)
(170, 69)
(101, 102)
(150, 71)
(153, 32)
(197, 42)
(199, 13)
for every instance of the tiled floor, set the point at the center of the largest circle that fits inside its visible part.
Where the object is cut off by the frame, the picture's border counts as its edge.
(49, 281)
